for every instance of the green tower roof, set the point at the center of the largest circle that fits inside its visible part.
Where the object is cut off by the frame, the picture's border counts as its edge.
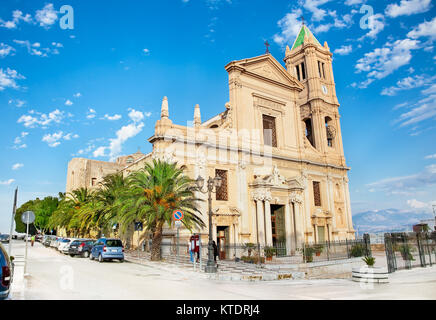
(300, 38)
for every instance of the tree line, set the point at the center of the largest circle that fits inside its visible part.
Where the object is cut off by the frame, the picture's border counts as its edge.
(149, 195)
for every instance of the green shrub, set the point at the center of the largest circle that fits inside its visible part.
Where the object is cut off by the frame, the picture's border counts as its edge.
(357, 250)
(370, 261)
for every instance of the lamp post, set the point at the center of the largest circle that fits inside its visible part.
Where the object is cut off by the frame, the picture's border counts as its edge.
(211, 183)
(434, 213)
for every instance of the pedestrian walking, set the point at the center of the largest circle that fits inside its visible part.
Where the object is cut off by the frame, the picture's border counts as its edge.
(191, 252)
(32, 240)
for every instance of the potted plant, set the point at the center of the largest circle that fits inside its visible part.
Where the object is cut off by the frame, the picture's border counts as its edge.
(269, 252)
(308, 254)
(249, 247)
(370, 261)
(318, 249)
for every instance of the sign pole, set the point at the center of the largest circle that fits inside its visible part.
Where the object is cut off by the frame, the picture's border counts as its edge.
(25, 252)
(14, 210)
(178, 228)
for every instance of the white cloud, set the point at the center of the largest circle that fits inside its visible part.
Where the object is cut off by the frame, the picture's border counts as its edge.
(91, 114)
(53, 140)
(426, 109)
(353, 2)
(17, 16)
(126, 132)
(77, 95)
(18, 103)
(17, 166)
(31, 121)
(421, 180)
(146, 51)
(112, 118)
(313, 6)
(407, 7)
(47, 16)
(68, 102)
(135, 115)
(35, 49)
(416, 204)
(8, 78)
(431, 156)
(383, 61)
(18, 141)
(376, 23)
(6, 50)
(344, 50)
(290, 24)
(7, 182)
(408, 83)
(425, 29)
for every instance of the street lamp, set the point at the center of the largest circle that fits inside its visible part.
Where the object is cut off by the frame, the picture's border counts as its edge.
(211, 183)
(434, 213)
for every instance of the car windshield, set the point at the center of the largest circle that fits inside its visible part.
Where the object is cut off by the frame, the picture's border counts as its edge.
(66, 240)
(114, 243)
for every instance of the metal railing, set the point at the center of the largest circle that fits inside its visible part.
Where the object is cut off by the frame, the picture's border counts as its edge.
(261, 254)
(410, 250)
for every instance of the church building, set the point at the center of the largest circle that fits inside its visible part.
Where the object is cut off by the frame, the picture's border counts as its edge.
(277, 147)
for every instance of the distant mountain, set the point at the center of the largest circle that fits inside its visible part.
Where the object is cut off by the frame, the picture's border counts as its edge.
(389, 220)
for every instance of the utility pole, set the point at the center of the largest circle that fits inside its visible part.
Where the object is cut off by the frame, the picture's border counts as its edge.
(14, 209)
(434, 213)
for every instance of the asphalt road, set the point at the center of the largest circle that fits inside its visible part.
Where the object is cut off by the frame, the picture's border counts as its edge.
(53, 275)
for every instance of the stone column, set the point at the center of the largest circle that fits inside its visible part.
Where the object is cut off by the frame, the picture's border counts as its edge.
(348, 207)
(331, 204)
(307, 207)
(289, 227)
(268, 225)
(260, 222)
(297, 200)
(243, 197)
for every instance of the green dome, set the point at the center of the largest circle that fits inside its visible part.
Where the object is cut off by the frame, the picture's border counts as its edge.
(300, 38)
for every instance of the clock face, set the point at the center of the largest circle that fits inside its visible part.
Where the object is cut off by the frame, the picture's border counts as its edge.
(324, 89)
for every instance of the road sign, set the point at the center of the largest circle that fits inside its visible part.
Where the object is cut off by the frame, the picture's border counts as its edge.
(178, 215)
(28, 217)
(138, 226)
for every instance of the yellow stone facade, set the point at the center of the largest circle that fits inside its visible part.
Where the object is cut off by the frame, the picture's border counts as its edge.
(278, 144)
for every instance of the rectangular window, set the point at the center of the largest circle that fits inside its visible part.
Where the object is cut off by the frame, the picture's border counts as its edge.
(297, 70)
(303, 71)
(316, 193)
(319, 69)
(322, 68)
(269, 131)
(221, 192)
(93, 181)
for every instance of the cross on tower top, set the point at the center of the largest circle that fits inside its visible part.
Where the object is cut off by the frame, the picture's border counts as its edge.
(267, 46)
(302, 19)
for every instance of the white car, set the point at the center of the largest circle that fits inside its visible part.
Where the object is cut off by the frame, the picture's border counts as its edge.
(64, 245)
(18, 236)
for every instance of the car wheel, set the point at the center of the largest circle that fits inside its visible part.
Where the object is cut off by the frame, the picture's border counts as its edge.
(91, 257)
(86, 254)
(100, 258)
(121, 260)
(72, 255)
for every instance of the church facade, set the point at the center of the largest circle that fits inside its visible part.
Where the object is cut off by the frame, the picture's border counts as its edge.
(277, 146)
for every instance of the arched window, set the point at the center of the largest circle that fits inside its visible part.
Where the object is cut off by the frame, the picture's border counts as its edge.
(129, 160)
(214, 126)
(330, 131)
(309, 131)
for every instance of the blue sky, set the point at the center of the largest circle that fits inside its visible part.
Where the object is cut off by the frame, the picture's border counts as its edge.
(95, 91)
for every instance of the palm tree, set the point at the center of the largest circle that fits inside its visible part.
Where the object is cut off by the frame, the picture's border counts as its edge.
(153, 194)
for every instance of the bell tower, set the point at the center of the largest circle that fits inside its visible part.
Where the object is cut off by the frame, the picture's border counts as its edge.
(311, 64)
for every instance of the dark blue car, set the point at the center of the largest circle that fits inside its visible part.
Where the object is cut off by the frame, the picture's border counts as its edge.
(6, 273)
(107, 249)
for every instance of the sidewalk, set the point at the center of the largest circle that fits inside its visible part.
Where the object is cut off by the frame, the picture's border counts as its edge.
(227, 270)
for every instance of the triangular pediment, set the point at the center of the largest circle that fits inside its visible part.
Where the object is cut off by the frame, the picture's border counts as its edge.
(268, 68)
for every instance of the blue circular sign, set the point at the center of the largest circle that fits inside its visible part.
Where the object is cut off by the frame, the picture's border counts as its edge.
(178, 215)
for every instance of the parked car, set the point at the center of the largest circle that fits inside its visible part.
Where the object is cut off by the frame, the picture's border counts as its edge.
(6, 273)
(64, 244)
(18, 236)
(4, 238)
(81, 247)
(47, 240)
(39, 237)
(107, 249)
(55, 244)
